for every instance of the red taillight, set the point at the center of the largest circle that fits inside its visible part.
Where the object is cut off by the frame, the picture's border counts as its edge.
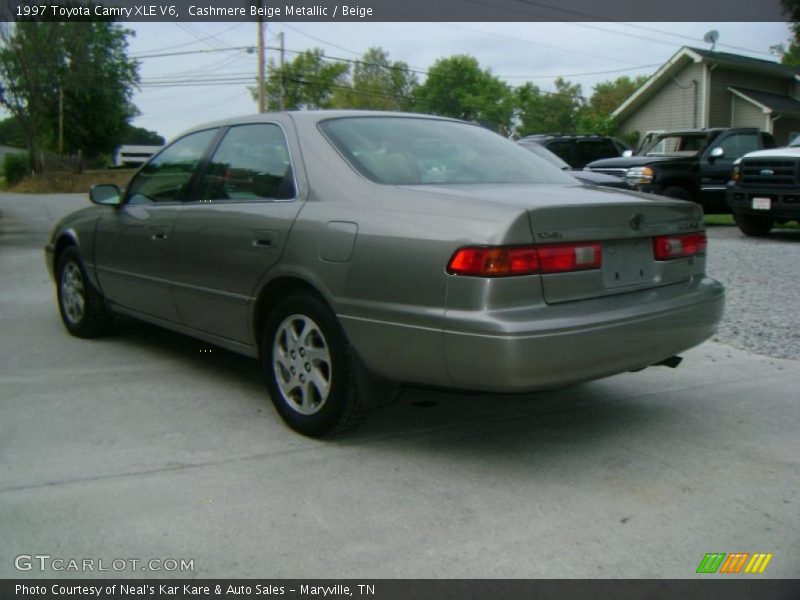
(670, 247)
(525, 260)
(494, 262)
(561, 258)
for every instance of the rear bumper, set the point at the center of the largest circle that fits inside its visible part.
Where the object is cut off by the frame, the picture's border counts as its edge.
(785, 204)
(557, 345)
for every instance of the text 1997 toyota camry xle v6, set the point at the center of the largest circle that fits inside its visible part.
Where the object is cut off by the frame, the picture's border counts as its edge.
(354, 251)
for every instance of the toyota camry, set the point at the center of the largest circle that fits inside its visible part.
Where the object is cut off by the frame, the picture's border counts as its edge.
(354, 252)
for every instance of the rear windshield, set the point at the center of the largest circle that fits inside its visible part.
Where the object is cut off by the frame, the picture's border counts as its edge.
(676, 144)
(409, 151)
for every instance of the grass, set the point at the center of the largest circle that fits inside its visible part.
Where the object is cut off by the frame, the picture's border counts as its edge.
(719, 220)
(68, 183)
(727, 221)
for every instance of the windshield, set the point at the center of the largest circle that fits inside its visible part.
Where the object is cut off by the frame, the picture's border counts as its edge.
(412, 151)
(676, 144)
(544, 153)
(795, 142)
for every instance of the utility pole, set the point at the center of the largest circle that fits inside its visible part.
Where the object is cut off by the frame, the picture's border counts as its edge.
(283, 89)
(261, 82)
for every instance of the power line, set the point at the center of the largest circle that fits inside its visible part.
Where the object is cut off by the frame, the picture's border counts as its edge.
(204, 51)
(590, 17)
(693, 39)
(145, 53)
(321, 41)
(530, 42)
(395, 67)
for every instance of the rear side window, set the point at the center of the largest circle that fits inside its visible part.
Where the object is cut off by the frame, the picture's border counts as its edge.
(168, 176)
(590, 150)
(412, 151)
(251, 163)
(563, 150)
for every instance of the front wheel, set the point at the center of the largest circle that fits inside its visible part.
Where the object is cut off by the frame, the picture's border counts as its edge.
(309, 370)
(82, 308)
(754, 225)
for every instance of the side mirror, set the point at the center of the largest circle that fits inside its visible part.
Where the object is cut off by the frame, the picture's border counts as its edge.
(627, 153)
(716, 153)
(107, 194)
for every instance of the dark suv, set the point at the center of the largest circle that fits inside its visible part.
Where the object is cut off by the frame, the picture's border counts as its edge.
(692, 164)
(579, 150)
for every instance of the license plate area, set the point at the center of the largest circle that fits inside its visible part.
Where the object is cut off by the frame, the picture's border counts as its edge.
(627, 262)
(761, 203)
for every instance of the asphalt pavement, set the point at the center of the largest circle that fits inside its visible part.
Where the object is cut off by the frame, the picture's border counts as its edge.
(141, 446)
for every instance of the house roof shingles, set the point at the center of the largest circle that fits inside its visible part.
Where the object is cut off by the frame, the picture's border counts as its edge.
(777, 103)
(767, 66)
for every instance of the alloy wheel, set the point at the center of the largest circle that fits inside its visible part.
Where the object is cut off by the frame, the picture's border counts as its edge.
(73, 294)
(302, 364)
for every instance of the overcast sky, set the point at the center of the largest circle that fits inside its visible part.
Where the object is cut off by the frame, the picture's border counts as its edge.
(584, 53)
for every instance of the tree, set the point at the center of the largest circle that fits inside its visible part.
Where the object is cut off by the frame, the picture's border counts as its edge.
(457, 87)
(11, 134)
(606, 97)
(27, 62)
(543, 112)
(378, 84)
(790, 55)
(140, 136)
(98, 81)
(309, 81)
(78, 70)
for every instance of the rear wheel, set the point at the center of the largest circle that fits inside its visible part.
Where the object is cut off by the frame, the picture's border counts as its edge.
(754, 225)
(82, 307)
(309, 368)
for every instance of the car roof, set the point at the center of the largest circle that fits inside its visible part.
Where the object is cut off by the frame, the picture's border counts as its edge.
(546, 136)
(315, 116)
(706, 130)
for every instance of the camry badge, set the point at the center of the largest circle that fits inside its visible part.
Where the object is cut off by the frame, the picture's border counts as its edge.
(636, 221)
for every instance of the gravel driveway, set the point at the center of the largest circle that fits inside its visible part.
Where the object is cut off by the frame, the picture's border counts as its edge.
(762, 282)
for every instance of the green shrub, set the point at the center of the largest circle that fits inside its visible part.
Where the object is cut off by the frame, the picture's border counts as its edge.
(15, 167)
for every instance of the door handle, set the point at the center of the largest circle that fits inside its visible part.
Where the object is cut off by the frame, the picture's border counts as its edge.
(159, 236)
(262, 243)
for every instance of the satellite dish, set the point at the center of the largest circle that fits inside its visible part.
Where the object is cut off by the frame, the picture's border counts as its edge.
(711, 38)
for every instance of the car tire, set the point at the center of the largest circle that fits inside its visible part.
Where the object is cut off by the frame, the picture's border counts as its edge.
(310, 369)
(754, 225)
(82, 307)
(678, 193)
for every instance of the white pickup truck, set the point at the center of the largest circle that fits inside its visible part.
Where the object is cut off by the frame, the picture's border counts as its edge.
(765, 189)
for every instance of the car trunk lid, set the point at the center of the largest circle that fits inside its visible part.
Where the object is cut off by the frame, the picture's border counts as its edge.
(625, 229)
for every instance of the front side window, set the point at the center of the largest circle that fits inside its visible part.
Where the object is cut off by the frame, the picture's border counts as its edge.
(251, 163)
(738, 144)
(168, 176)
(414, 151)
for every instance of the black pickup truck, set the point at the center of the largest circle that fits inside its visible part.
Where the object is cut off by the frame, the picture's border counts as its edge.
(691, 164)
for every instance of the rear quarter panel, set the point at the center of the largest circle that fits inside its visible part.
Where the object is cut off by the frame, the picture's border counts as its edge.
(390, 295)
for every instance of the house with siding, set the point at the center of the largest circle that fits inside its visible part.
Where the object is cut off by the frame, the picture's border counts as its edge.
(701, 88)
